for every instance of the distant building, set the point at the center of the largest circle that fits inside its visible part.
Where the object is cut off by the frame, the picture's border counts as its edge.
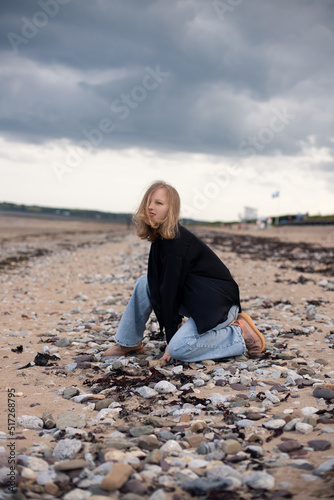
(250, 214)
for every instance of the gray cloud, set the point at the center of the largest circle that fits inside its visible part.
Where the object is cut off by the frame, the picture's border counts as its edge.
(226, 76)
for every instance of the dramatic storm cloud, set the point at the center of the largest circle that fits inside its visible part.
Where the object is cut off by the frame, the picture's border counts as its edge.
(179, 89)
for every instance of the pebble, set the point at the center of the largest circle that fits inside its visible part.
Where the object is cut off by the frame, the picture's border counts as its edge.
(275, 424)
(117, 477)
(164, 387)
(324, 467)
(231, 446)
(30, 422)
(147, 392)
(319, 444)
(321, 392)
(68, 419)
(260, 481)
(66, 449)
(303, 428)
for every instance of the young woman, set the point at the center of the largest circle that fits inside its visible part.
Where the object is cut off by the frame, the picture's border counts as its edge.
(185, 278)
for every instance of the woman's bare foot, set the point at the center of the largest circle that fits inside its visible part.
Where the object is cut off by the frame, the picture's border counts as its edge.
(121, 350)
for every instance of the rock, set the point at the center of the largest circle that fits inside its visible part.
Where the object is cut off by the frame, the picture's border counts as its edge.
(70, 392)
(117, 477)
(148, 442)
(324, 467)
(147, 392)
(158, 495)
(277, 423)
(309, 410)
(223, 471)
(259, 481)
(197, 464)
(77, 494)
(321, 392)
(154, 457)
(103, 404)
(141, 431)
(164, 387)
(195, 440)
(30, 422)
(303, 428)
(134, 486)
(289, 446)
(66, 449)
(37, 464)
(48, 420)
(217, 399)
(68, 419)
(171, 447)
(231, 446)
(202, 486)
(71, 465)
(319, 444)
(70, 367)
(64, 342)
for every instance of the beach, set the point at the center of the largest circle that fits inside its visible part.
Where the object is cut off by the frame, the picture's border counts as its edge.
(65, 284)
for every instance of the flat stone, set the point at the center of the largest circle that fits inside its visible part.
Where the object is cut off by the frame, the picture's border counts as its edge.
(64, 342)
(154, 457)
(289, 446)
(309, 410)
(231, 446)
(71, 464)
(259, 481)
(275, 424)
(324, 467)
(66, 449)
(77, 494)
(37, 464)
(239, 387)
(30, 422)
(148, 442)
(319, 444)
(141, 431)
(68, 419)
(104, 403)
(147, 392)
(70, 392)
(117, 477)
(164, 387)
(195, 440)
(202, 486)
(303, 428)
(321, 392)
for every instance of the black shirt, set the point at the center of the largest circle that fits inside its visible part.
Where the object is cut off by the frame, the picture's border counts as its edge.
(186, 271)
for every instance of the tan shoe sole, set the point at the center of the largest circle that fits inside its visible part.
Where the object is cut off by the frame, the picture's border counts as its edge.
(247, 319)
(124, 351)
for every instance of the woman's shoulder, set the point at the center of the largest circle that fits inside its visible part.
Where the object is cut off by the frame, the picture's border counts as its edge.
(180, 243)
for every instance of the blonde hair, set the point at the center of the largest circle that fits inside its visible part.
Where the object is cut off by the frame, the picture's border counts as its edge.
(168, 228)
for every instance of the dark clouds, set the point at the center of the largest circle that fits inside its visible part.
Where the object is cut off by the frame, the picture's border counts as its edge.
(227, 72)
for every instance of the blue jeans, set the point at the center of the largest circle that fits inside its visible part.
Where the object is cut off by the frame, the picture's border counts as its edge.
(225, 340)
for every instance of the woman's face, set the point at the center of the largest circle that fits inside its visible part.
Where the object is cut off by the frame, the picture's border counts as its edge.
(158, 205)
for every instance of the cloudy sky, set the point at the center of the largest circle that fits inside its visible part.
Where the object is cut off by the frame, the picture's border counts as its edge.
(229, 101)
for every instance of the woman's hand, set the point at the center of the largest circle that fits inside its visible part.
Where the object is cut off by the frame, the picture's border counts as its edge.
(166, 357)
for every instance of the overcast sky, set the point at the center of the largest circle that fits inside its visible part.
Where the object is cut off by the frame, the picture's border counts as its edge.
(230, 101)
